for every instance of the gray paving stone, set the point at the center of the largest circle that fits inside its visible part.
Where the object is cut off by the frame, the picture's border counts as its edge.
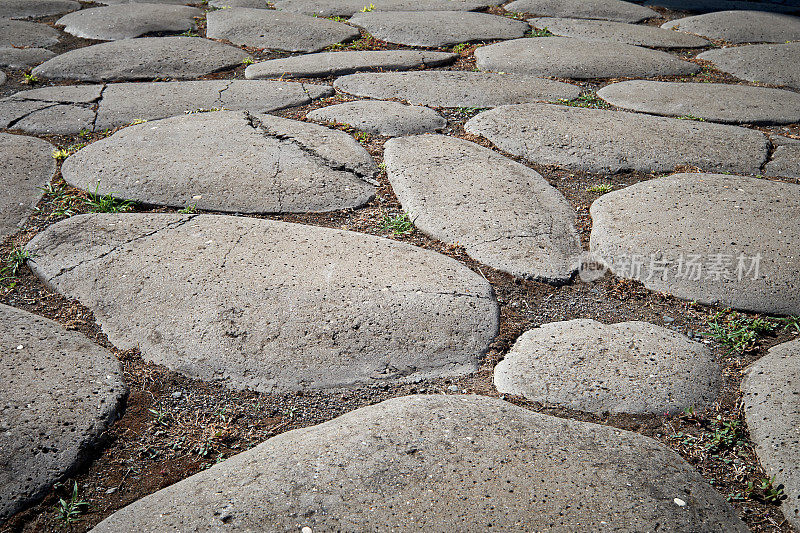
(145, 58)
(438, 29)
(278, 30)
(392, 119)
(2, 77)
(424, 463)
(705, 237)
(785, 159)
(619, 32)
(125, 21)
(772, 411)
(22, 9)
(732, 104)
(348, 8)
(172, 2)
(504, 214)
(22, 33)
(270, 305)
(339, 63)
(775, 64)
(599, 140)
(705, 6)
(630, 367)
(566, 57)
(740, 26)
(22, 58)
(616, 10)
(455, 88)
(26, 165)
(58, 394)
(228, 161)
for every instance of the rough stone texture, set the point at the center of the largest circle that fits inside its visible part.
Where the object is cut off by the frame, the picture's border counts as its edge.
(771, 389)
(21, 9)
(266, 28)
(382, 118)
(68, 109)
(228, 161)
(348, 8)
(2, 77)
(438, 28)
(27, 163)
(340, 63)
(704, 6)
(785, 159)
(125, 21)
(173, 2)
(692, 231)
(503, 213)
(270, 305)
(58, 394)
(630, 367)
(740, 26)
(776, 64)
(619, 32)
(565, 57)
(146, 58)
(598, 140)
(616, 10)
(21, 33)
(23, 57)
(455, 88)
(425, 463)
(718, 102)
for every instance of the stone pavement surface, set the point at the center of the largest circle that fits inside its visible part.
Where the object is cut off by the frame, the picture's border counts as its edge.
(391, 119)
(620, 32)
(26, 165)
(785, 159)
(775, 64)
(740, 26)
(22, 9)
(23, 57)
(125, 21)
(616, 10)
(348, 8)
(22, 33)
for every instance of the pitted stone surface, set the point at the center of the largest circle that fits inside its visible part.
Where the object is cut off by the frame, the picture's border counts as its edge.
(252, 4)
(26, 164)
(718, 102)
(58, 394)
(599, 140)
(348, 8)
(785, 159)
(706, 237)
(146, 58)
(772, 411)
(424, 463)
(619, 32)
(438, 28)
(705, 6)
(630, 367)
(68, 109)
(22, 9)
(382, 118)
(740, 26)
(2, 77)
(339, 63)
(173, 2)
(616, 10)
(23, 57)
(266, 28)
(566, 57)
(228, 161)
(268, 305)
(22, 33)
(125, 21)
(455, 88)
(504, 214)
(775, 64)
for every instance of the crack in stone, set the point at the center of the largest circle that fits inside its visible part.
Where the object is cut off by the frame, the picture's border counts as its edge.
(219, 93)
(97, 103)
(29, 113)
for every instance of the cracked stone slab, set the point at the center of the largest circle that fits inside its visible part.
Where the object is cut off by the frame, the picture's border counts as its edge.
(145, 58)
(348, 8)
(126, 21)
(22, 58)
(705, 237)
(26, 165)
(619, 32)
(455, 88)
(58, 394)
(22, 9)
(437, 29)
(339, 63)
(775, 64)
(566, 57)
(599, 140)
(772, 410)
(504, 214)
(740, 26)
(616, 10)
(277, 30)
(268, 305)
(228, 161)
(785, 159)
(705, 6)
(424, 463)
(392, 119)
(718, 102)
(26, 34)
(629, 367)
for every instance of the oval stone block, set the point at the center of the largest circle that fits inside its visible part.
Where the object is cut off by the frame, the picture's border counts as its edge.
(26, 164)
(126, 21)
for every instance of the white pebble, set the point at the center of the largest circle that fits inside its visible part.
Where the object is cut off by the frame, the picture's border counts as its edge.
(679, 502)
(306, 530)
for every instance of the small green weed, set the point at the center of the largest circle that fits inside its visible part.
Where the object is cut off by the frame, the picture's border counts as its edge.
(64, 202)
(367, 9)
(691, 117)
(725, 435)
(70, 511)
(739, 333)
(366, 42)
(361, 136)
(399, 224)
(12, 265)
(189, 210)
(514, 15)
(586, 100)
(602, 188)
(457, 49)
(60, 154)
(106, 204)
(468, 112)
(247, 61)
(766, 491)
(540, 32)
(190, 33)
(29, 79)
